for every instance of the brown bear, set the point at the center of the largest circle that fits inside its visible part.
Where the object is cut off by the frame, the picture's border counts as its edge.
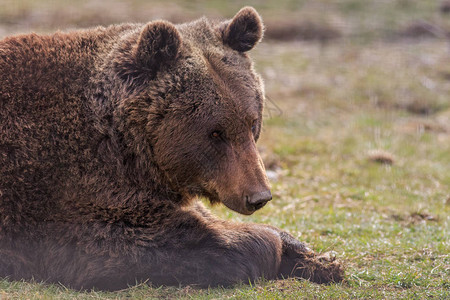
(108, 136)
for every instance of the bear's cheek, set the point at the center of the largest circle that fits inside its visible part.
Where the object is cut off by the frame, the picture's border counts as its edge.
(182, 160)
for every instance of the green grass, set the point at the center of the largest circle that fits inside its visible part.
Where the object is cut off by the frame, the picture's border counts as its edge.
(331, 105)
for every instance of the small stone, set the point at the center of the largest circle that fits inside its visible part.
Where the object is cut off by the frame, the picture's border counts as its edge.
(381, 156)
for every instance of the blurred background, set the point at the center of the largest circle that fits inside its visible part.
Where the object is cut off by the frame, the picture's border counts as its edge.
(321, 20)
(286, 20)
(357, 123)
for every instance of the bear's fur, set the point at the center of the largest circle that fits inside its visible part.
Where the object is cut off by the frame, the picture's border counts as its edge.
(107, 138)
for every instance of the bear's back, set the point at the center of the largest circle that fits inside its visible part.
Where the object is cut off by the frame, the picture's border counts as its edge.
(46, 131)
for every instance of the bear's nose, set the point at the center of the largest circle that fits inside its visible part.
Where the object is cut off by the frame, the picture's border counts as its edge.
(257, 200)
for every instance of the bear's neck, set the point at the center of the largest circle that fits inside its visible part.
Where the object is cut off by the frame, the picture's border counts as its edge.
(121, 161)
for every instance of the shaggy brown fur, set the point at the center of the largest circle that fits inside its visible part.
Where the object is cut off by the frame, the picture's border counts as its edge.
(107, 138)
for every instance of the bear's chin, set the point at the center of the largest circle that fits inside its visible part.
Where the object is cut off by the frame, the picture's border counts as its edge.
(234, 205)
(238, 208)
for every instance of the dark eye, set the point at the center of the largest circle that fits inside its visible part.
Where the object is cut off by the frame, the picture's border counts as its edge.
(216, 134)
(254, 126)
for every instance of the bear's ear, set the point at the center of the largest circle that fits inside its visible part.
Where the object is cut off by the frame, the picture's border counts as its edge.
(244, 31)
(158, 44)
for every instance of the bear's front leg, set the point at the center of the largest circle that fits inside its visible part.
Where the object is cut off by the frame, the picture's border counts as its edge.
(296, 260)
(220, 254)
(181, 247)
(184, 246)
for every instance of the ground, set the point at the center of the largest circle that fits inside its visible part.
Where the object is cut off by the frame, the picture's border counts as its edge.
(356, 140)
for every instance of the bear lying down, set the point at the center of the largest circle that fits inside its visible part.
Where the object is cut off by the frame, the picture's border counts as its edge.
(107, 138)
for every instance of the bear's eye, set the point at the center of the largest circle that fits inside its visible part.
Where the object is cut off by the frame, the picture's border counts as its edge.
(216, 134)
(254, 126)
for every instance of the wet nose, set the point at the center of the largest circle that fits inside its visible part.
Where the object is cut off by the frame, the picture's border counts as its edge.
(258, 200)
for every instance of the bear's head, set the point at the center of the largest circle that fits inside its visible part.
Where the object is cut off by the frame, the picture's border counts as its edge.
(194, 109)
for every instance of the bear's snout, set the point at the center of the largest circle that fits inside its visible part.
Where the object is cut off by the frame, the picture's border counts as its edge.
(256, 201)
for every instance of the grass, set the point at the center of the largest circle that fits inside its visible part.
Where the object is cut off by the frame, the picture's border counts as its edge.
(331, 105)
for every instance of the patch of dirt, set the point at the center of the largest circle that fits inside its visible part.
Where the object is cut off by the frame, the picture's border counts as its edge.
(417, 107)
(418, 217)
(436, 125)
(444, 8)
(414, 106)
(445, 75)
(410, 104)
(418, 29)
(414, 218)
(292, 30)
(425, 29)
